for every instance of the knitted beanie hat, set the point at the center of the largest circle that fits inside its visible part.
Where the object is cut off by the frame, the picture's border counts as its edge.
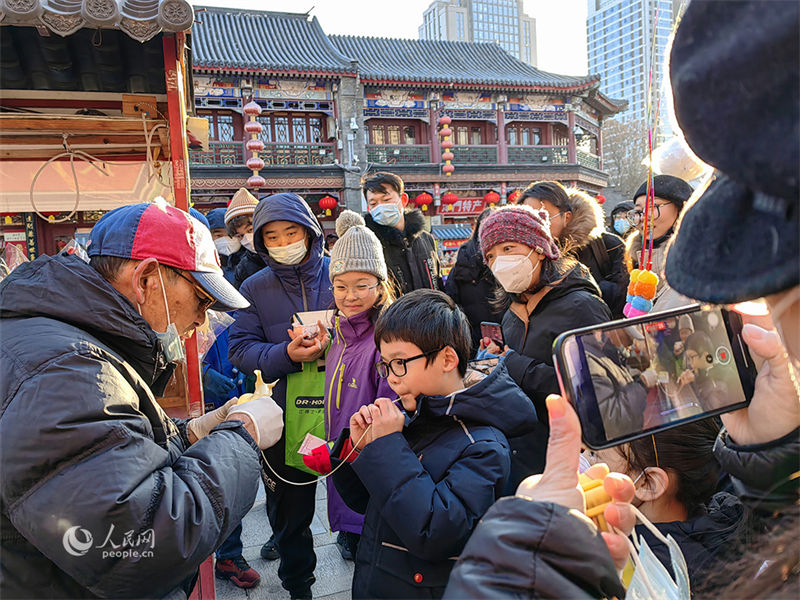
(668, 187)
(357, 249)
(521, 224)
(242, 203)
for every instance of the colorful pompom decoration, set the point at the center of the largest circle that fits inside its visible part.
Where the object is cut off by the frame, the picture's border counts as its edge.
(641, 291)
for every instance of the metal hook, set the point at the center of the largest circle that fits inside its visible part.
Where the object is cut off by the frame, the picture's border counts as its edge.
(65, 142)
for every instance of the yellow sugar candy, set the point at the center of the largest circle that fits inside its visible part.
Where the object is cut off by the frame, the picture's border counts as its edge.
(596, 500)
(648, 277)
(262, 389)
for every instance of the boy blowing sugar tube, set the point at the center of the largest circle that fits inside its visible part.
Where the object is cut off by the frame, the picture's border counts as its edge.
(424, 468)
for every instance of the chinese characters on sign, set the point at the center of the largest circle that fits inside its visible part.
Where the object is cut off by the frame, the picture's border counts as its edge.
(463, 206)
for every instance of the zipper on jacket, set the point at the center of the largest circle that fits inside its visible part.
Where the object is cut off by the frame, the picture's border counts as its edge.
(303, 290)
(341, 376)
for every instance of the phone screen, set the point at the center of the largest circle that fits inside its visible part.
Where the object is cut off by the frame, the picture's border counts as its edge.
(493, 331)
(627, 381)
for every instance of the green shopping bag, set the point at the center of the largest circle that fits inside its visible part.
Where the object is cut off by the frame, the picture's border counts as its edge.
(305, 413)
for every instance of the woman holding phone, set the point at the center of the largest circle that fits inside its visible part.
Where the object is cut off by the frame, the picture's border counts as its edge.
(545, 294)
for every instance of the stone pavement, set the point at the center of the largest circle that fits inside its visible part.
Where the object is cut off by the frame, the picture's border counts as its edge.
(334, 574)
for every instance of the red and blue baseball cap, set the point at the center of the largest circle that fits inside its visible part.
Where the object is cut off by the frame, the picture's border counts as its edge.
(171, 236)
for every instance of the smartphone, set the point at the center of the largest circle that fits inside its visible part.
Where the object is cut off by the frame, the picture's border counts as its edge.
(628, 379)
(494, 332)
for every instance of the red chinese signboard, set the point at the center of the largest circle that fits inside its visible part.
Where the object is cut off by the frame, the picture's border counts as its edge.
(451, 244)
(463, 206)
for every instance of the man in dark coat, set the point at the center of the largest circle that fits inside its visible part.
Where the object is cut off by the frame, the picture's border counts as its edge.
(103, 494)
(293, 281)
(409, 250)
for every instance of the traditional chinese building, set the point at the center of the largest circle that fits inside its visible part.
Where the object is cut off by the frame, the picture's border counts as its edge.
(337, 107)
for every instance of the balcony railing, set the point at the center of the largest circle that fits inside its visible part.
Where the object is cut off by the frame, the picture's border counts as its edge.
(475, 155)
(538, 155)
(219, 153)
(274, 154)
(398, 155)
(588, 160)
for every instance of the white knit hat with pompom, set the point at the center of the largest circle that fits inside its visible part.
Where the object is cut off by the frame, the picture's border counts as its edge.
(357, 249)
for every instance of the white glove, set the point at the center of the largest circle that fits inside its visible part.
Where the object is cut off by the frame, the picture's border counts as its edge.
(267, 417)
(202, 426)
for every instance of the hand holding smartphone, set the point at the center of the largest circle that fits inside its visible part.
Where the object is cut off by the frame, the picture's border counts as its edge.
(619, 399)
(494, 332)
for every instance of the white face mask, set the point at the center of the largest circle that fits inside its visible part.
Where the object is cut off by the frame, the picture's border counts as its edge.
(651, 580)
(247, 242)
(227, 245)
(514, 272)
(292, 254)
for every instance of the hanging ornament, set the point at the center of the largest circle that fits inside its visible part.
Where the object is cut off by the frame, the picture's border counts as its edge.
(513, 197)
(328, 203)
(447, 156)
(254, 145)
(491, 198)
(449, 199)
(423, 200)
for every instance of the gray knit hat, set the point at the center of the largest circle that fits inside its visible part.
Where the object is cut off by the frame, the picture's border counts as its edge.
(357, 248)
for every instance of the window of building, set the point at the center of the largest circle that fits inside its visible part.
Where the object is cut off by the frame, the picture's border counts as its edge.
(220, 126)
(293, 128)
(524, 134)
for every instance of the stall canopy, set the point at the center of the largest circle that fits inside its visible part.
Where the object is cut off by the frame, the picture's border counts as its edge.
(452, 232)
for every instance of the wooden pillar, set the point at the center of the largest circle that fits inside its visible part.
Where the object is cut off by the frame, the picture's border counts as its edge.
(502, 143)
(174, 68)
(572, 149)
(436, 151)
(599, 148)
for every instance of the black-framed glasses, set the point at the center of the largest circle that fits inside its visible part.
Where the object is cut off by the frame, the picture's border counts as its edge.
(398, 365)
(635, 216)
(206, 300)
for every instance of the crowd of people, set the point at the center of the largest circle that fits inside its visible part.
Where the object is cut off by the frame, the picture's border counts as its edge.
(451, 460)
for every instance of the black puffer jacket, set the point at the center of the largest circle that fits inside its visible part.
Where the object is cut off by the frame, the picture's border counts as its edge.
(411, 254)
(574, 302)
(423, 491)
(524, 549)
(249, 264)
(471, 285)
(87, 455)
(703, 540)
(601, 252)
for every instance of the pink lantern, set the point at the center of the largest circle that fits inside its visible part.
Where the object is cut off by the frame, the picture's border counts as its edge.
(254, 163)
(447, 169)
(256, 181)
(253, 127)
(445, 120)
(255, 145)
(447, 144)
(252, 108)
(448, 156)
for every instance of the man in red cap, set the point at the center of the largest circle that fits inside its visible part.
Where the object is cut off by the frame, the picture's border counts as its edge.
(103, 494)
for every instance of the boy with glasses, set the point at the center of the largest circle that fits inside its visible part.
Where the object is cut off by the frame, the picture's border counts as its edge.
(423, 472)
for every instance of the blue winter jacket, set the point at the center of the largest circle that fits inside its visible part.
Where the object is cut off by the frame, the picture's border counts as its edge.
(259, 337)
(423, 490)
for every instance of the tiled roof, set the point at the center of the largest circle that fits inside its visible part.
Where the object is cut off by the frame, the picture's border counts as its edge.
(139, 19)
(264, 41)
(386, 59)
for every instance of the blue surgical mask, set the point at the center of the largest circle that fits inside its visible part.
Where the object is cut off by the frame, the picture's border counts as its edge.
(386, 214)
(621, 226)
(174, 351)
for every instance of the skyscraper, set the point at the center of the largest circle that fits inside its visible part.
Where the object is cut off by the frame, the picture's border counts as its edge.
(620, 46)
(500, 21)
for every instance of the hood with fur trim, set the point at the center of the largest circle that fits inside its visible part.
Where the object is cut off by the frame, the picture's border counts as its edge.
(587, 220)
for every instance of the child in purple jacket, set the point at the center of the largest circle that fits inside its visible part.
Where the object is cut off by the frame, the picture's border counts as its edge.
(360, 289)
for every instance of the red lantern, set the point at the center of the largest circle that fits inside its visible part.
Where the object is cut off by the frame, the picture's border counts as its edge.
(600, 199)
(445, 120)
(328, 203)
(492, 198)
(423, 200)
(449, 199)
(513, 197)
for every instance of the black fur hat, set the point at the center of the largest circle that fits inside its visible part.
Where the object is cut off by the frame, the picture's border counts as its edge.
(734, 71)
